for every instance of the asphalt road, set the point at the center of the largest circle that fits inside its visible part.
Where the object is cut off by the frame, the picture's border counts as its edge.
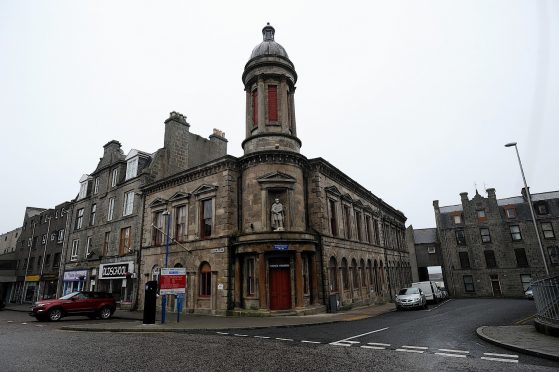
(403, 341)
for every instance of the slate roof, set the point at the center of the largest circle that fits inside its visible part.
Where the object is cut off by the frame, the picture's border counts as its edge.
(425, 236)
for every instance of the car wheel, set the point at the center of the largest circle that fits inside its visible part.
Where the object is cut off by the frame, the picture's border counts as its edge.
(55, 314)
(105, 313)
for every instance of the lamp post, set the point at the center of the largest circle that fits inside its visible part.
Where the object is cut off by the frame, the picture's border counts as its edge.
(164, 298)
(513, 144)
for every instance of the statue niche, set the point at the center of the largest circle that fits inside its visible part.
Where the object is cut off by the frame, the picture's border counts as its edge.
(277, 215)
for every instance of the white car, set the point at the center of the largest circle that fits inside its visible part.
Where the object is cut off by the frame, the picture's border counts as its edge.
(409, 298)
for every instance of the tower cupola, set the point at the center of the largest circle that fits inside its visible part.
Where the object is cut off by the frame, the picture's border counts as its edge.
(269, 78)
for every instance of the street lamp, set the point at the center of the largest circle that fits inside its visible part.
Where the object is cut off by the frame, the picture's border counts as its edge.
(164, 298)
(513, 144)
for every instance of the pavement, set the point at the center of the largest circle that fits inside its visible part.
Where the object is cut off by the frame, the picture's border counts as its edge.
(521, 337)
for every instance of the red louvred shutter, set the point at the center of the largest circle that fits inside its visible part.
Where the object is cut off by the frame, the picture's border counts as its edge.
(272, 103)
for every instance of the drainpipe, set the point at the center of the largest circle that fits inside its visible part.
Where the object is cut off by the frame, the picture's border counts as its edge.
(27, 265)
(43, 260)
(65, 212)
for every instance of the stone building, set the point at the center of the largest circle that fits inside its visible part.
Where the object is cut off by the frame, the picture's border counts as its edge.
(490, 247)
(8, 262)
(272, 230)
(38, 253)
(102, 250)
(425, 251)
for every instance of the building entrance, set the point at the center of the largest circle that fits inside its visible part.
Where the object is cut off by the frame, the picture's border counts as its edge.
(280, 284)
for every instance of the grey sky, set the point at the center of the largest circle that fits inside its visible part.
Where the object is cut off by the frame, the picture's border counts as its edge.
(412, 99)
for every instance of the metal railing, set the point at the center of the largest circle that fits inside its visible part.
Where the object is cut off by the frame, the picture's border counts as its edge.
(546, 297)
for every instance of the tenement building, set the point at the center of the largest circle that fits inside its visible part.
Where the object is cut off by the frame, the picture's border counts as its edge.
(272, 230)
(103, 244)
(425, 251)
(490, 247)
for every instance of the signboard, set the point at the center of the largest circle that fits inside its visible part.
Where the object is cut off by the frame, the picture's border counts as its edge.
(32, 278)
(218, 250)
(172, 281)
(116, 270)
(280, 247)
(75, 276)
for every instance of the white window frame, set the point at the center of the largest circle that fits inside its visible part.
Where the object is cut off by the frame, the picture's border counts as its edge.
(132, 168)
(79, 219)
(431, 250)
(457, 219)
(93, 215)
(525, 284)
(96, 185)
(87, 246)
(548, 233)
(128, 206)
(111, 208)
(114, 177)
(75, 250)
(60, 235)
(511, 212)
(83, 190)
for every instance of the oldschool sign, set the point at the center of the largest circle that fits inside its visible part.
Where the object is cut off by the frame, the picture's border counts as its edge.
(116, 270)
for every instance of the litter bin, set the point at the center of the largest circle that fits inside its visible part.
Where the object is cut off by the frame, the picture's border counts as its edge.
(150, 302)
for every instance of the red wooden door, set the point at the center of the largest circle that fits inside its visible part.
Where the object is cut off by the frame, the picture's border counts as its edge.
(280, 289)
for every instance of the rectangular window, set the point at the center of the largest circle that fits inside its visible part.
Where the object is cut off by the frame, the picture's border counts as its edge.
(79, 219)
(457, 219)
(515, 233)
(547, 229)
(47, 261)
(114, 178)
(96, 185)
(481, 215)
(132, 168)
(368, 229)
(460, 237)
(469, 283)
(44, 239)
(124, 245)
(255, 108)
(464, 260)
(431, 250)
(250, 277)
(347, 220)
(111, 209)
(75, 250)
(485, 235)
(88, 247)
(358, 225)
(180, 223)
(92, 216)
(376, 229)
(60, 235)
(106, 242)
(206, 220)
(541, 208)
(525, 279)
(490, 261)
(521, 259)
(553, 253)
(157, 232)
(83, 190)
(510, 212)
(205, 281)
(333, 218)
(128, 203)
(272, 103)
(56, 261)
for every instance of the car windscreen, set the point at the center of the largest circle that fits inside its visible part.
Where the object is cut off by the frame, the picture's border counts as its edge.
(69, 296)
(408, 291)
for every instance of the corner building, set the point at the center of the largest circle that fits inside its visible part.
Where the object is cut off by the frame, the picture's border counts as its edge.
(272, 230)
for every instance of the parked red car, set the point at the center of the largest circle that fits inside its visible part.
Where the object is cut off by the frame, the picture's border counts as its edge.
(91, 304)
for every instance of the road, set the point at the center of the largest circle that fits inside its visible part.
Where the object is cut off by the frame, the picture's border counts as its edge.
(439, 339)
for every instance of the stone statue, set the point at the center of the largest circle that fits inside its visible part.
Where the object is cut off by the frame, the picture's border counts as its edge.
(277, 216)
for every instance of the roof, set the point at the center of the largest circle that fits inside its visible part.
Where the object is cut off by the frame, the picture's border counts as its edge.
(508, 201)
(268, 46)
(425, 236)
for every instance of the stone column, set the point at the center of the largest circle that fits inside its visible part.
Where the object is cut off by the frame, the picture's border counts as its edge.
(262, 281)
(237, 294)
(314, 279)
(299, 300)
(261, 105)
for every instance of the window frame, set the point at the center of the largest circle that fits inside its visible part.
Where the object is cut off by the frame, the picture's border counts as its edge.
(250, 276)
(516, 236)
(79, 219)
(460, 240)
(114, 177)
(523, 261)
(490, 263)
(125, 240)
(88, 246)
(468, 284)
(75, 250)
(128, 205)
(508, 212)
(111, 209)
(464, 257)
(525, 284)
(132, 168)
(553, 253)
(204, 233)
(92, 214)
(181, 233)
(205, 275)
(158, 225)
(333, 217)
(549, 230)
(96, 185)
(485, 238)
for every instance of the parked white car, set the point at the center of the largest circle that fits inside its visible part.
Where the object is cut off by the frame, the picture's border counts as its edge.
(430, 289)
(409, 298)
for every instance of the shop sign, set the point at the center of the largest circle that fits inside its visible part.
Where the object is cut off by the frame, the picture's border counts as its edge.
(172, 280)
(32, 278)
(75, 276)
(49, 277)
(280, 247)
(278, 266)
(116, 270)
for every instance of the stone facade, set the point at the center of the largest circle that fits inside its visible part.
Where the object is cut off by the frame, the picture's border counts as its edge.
(8, 241)
(425, 251)
(490, 247)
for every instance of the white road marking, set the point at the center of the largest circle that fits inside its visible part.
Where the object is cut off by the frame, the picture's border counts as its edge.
(373, 347)
(377, 344)
(455, 351)
(23, 323)
(10, 321)
(452, 355)
(439, 305)
(501, 360)
(411, 351)
(222, 333)
(311, 342)
(344, 343)
(39, 325)
(502, 355)
(415, 347)
(236, 334)
(363, 334)
(261, 337)
(284, 339)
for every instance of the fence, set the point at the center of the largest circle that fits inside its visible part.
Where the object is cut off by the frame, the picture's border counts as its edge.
(546, 297)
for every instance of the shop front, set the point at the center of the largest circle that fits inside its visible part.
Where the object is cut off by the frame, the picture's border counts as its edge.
(118, 278)
(31, 285)
(74, 280)
(49, 283)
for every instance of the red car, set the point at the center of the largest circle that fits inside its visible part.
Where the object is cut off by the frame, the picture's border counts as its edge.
(91, 304)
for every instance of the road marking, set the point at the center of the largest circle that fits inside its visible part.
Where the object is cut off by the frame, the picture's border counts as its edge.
(284, 339)
(10, 321)
(452, 355)
(373, 347)
(238, 335)
(411, 351)
(439, 305)
(501, 360)
(502, 355)
(23, 323)
(415, 347)
(261, 337)
(310, 342)
(455, 351)
(377, 344)
(39, 325)
(222, 333)
(363, 334)
(344, 343)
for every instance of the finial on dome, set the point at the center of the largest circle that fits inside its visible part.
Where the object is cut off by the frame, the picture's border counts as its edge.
(268, 32)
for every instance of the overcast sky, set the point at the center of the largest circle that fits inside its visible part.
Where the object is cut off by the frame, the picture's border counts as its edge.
(412, 99)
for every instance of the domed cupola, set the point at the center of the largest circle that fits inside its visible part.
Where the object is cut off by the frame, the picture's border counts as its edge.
(269, 78)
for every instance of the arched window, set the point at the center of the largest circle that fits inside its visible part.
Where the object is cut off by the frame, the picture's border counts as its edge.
(345, 277)
(178, 264)
(362, 273)
(205, 280)
(333, 274)
(354, 274)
